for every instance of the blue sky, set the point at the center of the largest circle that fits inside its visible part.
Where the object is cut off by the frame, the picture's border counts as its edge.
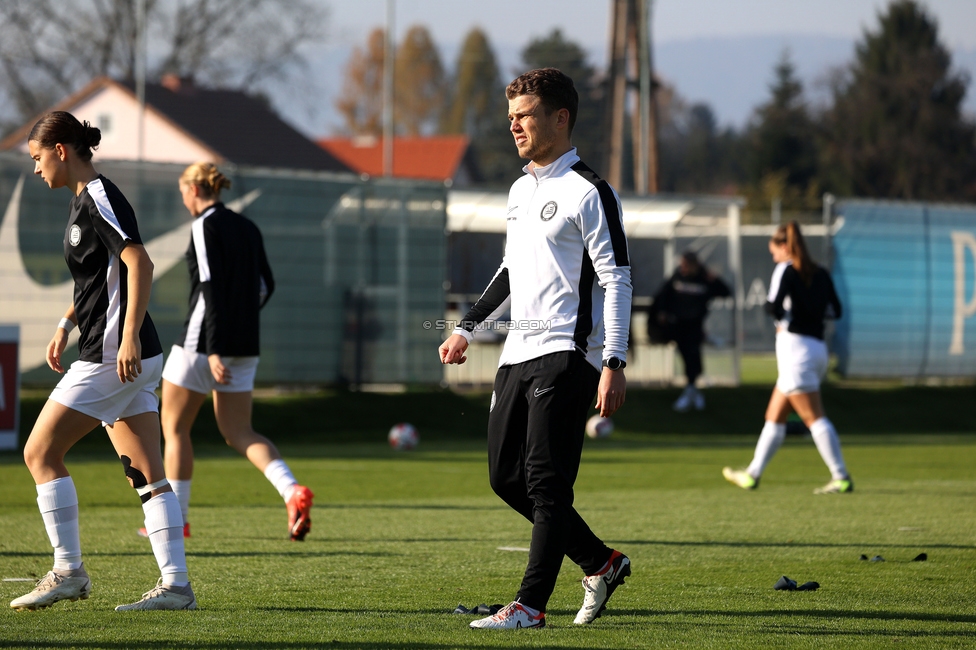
(717, 51)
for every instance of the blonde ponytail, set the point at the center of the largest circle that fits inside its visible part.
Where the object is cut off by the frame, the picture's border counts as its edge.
(207, 177)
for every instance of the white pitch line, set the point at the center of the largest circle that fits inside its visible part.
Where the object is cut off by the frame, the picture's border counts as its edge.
(517, 549)
(19, 580)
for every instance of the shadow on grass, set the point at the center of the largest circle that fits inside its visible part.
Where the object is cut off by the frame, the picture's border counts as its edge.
(880, 615)
(851, 545)
(269, 645)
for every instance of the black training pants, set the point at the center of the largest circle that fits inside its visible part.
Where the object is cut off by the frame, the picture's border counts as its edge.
(688, 335)
(535, 438)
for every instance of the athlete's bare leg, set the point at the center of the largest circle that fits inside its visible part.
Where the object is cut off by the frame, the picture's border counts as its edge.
(137, 438)
(56, 430)
(233, 412)
(808, 406)
(779, 407)
(179, 411)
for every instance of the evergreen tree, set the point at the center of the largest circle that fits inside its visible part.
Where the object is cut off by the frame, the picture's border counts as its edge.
(478, 108)
(782, 161)
(896, 129)
(556, 52)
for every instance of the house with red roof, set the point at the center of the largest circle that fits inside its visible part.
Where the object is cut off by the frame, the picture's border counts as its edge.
(444, 158)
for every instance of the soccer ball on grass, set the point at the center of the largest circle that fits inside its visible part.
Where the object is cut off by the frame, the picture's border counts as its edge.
(403, 436)
(599, 427)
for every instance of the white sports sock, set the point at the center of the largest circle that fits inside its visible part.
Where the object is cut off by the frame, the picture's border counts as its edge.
(164, 524)
(828, 444)
(769, 441)
(58, 503)
(182, 491)
(281, 477)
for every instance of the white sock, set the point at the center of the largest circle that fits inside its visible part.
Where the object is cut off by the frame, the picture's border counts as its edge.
(281, 478)
(828, 444)
(182, 491)
(58, 503)
(164, 524)
(769, 441)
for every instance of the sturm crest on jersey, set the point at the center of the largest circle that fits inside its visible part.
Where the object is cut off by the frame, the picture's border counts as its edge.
(74, 235)
(548, 211)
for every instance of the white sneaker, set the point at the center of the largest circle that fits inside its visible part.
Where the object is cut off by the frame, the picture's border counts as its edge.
(597, 589)
(58, 584)
(163, 597)
(510, 617)
(683, 403)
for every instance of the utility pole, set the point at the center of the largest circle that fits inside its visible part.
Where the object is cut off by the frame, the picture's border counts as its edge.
(631, 68)
(140, 73)
(388, 63)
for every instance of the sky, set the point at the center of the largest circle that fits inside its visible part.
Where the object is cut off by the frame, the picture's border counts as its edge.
(717, 51)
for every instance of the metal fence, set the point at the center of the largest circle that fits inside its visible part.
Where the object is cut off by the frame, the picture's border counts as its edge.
(359, 266)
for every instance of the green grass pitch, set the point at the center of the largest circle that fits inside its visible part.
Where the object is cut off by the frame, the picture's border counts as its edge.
(399, 539)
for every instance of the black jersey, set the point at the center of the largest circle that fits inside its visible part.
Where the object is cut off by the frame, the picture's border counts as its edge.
(803, 307)
(100, 224)
(686, 297)
(230, 280)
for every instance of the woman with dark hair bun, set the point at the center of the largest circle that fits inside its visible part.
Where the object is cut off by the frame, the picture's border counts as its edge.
(113, 382)
(801, 296)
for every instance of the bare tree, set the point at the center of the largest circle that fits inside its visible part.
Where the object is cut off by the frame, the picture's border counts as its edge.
(49, 47)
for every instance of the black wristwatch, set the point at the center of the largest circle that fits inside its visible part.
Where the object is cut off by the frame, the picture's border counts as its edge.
(614, 363)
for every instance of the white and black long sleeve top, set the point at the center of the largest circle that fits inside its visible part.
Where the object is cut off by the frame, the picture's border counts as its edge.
(566, 267)
(230, 280)
(799, 307)
(101, 223)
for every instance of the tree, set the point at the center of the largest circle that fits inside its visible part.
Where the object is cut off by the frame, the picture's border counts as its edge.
(50, 48)
(556, 52)
(477, 107)
(895, 128)
(419, 86)
(419, 83)
(782, 160)
(361, 103)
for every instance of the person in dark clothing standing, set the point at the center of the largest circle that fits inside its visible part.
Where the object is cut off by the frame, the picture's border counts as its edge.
(679, 310)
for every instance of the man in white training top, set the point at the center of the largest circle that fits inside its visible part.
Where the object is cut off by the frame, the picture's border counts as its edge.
(567, 271)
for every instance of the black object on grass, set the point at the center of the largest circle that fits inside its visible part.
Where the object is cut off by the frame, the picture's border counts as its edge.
(864, 557)
(785, 584)
(809, 586)
(877, 558)
(921, 557)
(482, 609)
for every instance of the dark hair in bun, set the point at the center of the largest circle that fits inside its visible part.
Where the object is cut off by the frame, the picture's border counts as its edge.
(61, 127)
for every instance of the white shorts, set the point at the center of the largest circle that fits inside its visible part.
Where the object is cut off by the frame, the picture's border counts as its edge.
(95, 390)
(191, 370)
(801, 362)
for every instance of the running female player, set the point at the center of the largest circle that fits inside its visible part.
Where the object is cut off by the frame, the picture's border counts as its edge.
(114, 379)
(230, 280)
(801, 296)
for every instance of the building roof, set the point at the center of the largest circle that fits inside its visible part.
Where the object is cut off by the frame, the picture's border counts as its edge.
(435, 158)
(234, 125)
